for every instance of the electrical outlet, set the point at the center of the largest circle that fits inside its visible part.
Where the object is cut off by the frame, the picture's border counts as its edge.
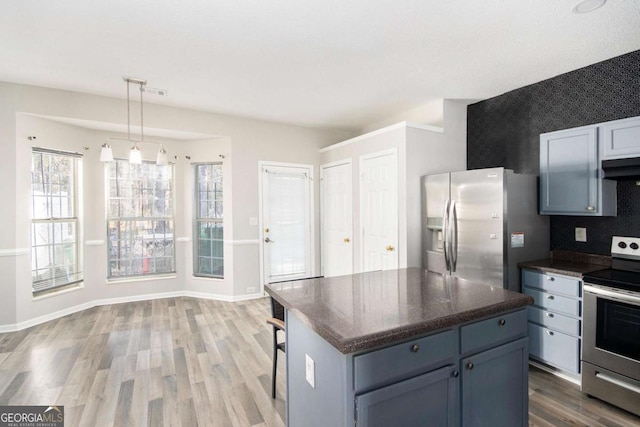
(310, 373)
(581, 234)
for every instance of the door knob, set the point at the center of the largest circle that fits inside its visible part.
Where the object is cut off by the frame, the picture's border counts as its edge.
(268, 240)
(346, 240)
(389, 248)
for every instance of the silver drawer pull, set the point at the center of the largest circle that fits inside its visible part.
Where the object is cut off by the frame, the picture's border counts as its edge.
(550, 297)
(549, 314)
(549, 332)
(415, 348)
(551, 279)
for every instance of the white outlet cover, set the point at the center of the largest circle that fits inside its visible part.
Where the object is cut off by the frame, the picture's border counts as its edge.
(310, 373)
(581, 234)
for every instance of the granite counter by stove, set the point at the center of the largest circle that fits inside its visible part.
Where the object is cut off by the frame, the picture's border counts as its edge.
(404, 347)
(569, 263)
(362, 311)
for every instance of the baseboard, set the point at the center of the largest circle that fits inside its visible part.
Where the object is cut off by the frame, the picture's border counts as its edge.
(120, 300)
(556, 372)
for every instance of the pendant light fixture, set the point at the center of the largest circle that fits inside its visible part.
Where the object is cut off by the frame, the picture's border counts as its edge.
(106, 154)
(135, 156)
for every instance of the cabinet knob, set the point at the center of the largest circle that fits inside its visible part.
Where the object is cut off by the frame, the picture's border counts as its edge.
(469, 366)
(591, 208)
(550, 333)
(549, 314)
(551, 279)
(415, 348)
(550, 297)
(455, 374)
(502, 322)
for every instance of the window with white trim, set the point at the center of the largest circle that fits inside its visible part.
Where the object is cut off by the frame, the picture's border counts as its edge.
(55, 258)
(209, 224)
(140, 219)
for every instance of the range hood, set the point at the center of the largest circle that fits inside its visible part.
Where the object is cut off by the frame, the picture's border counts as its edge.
(621, 168)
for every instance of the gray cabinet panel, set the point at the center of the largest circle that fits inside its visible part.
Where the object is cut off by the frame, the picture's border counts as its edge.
(552, 282)
(403, 360)
(555, 348)
(555, 321)
(490, 332)
(494, 391)
(570, 177)
(556, 303)
(426, 400)
(620, 138)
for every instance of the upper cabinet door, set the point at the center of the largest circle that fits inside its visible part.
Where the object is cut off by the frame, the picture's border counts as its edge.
(569, 172)
(620, 138)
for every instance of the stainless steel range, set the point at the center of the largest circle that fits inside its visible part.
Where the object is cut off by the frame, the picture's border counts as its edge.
(611, 329)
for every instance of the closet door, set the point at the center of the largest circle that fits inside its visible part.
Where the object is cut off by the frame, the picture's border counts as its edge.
(336, 199)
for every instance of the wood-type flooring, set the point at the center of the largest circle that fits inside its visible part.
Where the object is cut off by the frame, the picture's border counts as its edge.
(194, 362)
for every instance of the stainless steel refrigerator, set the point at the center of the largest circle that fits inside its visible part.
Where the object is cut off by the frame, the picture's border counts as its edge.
(479, 224)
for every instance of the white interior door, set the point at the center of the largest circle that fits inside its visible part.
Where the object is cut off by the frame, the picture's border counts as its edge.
(379, 210)
(336, 219)
(287, 224)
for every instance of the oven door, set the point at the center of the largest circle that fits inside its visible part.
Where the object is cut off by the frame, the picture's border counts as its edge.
(611, 329)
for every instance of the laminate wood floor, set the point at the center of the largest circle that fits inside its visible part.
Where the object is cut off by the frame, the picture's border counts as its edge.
(193, 362)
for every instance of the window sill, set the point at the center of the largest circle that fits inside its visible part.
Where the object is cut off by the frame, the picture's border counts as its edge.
(141, 279)
(205, 278)
(55, 293)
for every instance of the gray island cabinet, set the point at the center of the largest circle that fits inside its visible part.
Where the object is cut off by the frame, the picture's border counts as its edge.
(404, 348)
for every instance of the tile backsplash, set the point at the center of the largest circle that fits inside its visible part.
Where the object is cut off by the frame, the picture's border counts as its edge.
(504, 131)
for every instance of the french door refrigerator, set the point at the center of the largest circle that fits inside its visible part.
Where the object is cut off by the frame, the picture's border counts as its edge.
(478, 224)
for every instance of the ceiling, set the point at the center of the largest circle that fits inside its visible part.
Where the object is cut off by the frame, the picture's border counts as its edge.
(327, 63)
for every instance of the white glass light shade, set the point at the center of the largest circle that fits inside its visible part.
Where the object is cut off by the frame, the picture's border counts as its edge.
(135, 156)
(106, 154)
(162, 158)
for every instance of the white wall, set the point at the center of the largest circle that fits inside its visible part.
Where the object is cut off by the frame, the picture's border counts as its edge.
(245, 142)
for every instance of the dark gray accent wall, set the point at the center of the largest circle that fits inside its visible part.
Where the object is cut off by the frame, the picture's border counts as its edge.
(504, 131)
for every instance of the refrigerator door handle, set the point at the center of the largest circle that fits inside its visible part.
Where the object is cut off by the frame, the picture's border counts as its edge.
(453, 239)
(445, 234)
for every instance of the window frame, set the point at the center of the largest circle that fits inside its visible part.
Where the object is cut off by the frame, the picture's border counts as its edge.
(73, 220)
(131, 219)
(197, 220)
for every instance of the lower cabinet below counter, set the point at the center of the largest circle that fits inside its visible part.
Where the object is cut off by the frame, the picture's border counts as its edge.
(555, 319)
(474, 374)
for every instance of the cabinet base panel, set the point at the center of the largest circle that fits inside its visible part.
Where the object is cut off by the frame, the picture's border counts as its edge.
(576, 379)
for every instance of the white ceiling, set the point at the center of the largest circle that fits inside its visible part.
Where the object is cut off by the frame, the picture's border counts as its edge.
(330, 63)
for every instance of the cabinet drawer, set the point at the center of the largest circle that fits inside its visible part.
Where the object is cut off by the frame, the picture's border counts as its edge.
(556, 303)
(558, 322)
(555, 348)
(491, 332)
(555, 283)
(403, 360)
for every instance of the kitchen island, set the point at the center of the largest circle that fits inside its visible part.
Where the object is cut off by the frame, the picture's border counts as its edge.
(404, 347)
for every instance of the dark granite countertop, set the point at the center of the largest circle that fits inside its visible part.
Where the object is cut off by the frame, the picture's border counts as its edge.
(569, 263)
(366, 310)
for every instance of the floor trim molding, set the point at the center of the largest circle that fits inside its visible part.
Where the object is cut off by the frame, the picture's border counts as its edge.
(14, 327)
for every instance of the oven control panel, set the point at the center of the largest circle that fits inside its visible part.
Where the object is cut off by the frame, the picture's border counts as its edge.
(625, 247)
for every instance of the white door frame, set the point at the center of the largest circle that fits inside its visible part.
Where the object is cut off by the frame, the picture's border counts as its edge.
(393, 151)
(261, 165)
(347, 161)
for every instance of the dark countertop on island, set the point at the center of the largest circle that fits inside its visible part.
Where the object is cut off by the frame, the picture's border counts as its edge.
(569, 263)
(362, 311)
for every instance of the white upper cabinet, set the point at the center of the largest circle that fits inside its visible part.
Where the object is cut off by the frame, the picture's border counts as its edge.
(570, 175)
(620, 138)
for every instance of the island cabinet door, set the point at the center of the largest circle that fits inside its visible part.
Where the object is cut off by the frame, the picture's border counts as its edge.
(494, 386)
(426, 400)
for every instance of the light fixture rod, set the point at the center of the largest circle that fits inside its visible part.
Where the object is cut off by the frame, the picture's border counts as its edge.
(141, 112)
(128, 113)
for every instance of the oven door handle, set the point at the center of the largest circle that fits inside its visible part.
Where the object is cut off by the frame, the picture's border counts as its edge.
(612, 294)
